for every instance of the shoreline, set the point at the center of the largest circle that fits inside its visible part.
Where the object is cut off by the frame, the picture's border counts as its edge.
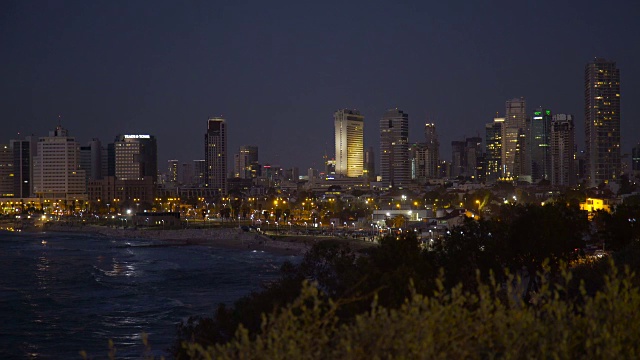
(229, 238)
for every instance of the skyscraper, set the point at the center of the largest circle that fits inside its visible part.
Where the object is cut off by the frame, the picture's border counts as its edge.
(395, 167)
(563, 172)
(432, 154)
(245, 162)
(56, 168)
(215, 155)
(512, 130)
(493, 146)
(136, 157)
(23, 153)
(349, 143)
(91, 157)
(369, 164)
(635, 161)
(173, 167)
(602, 121)
(540, 140)
(6, 171)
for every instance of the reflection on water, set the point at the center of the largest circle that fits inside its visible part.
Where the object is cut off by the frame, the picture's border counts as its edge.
(60, 294)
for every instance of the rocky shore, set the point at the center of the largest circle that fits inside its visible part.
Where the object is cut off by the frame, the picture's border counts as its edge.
(216, 237)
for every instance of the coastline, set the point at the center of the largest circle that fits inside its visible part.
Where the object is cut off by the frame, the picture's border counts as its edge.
(233, 238)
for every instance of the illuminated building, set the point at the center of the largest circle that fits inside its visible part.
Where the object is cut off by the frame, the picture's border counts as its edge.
(513, 157)
(493, 146)
(6, 171)
(199, 170)
(635, 161)
(215, 155)
(56, 168)
(349, 142)
(245, 162)
(136, 157)
(540, 142)
(369, 164)
(563, 172)
(467, 159)
(23, 153)
(602, 121)
(395, 167)
(172, 168)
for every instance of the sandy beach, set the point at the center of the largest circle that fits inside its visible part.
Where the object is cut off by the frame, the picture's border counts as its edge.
(217, 237)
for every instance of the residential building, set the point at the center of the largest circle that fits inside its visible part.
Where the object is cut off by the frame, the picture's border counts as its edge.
(602, 121)
(562, 149)
(395, 167)
(215, 155)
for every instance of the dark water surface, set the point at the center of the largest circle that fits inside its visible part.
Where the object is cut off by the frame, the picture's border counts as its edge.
(62, 293)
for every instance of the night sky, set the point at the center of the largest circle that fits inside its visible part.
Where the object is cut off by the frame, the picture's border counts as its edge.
(278, 70)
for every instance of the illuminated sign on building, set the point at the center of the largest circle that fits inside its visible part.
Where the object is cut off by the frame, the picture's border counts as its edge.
(137, 136)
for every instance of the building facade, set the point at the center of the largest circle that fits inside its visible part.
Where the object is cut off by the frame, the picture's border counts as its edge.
(562, 149)
(6, 171)
(540, 145)
(56, 168)
(136, 157)
(602, 121)
(512, 137)
(395, 167)
(349, 142)
(215, 155)
(493, 149)
(245, 162)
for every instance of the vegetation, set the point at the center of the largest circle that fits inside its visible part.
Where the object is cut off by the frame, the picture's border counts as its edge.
(491, 322)
(393, 300)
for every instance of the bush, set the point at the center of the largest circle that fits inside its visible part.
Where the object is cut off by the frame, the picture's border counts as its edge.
(490, 322)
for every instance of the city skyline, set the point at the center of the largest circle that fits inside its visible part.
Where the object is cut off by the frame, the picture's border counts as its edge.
(276, 72)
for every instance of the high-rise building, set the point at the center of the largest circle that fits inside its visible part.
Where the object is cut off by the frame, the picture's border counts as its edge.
(349, 142)
(540, 141)
(23, 153)
(395, 167)
(602, 121)
(91, 158)
(457, 158)
(215, 155)
(245, 161)
(185, 174)
(199, 171)
(6, 171)
(635, 160)
(136, 157)
(513, 128)
(369, 164)
(173, 167)
(493, 146)
(467, 158)
(56, 168)
(432, 155)
(562, 149)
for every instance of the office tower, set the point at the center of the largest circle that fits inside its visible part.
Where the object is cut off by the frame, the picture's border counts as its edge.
(457, 158)
(349, 142)
(369, 170)
(473, 159)
(215, 155)
(418, 154)
(493, 146)
(395, 167)
(6, 171)
(432, 154)
(91, 158)
(513, 130)
(185, 174)
(245, 161)
(172, 172)
(56, 168)
(635, 161)
(136, 157)
(602, 121)
(540, 140)
(563, 172)
(23, 153)
(199, 171)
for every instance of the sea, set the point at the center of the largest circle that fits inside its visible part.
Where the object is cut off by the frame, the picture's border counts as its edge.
(61, 294)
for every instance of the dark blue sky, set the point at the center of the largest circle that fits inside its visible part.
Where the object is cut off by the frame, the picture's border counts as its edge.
(278, 70)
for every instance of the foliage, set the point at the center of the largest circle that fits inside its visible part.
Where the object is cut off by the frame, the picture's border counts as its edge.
(489, 322)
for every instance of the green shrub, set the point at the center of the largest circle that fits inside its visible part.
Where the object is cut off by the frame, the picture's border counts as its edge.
(490, 322)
